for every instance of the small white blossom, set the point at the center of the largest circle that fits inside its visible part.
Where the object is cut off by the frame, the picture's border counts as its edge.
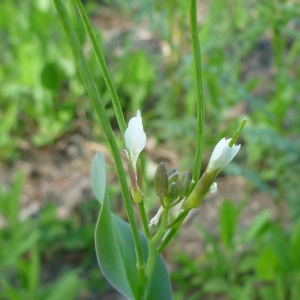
(135, 138)
(213, 188)
(222, 156)
(156, 218)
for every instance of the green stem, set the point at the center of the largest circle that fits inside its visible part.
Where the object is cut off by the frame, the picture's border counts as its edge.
(237, 133)
(144, 220)
(105, 124)
(199, 89)
(100, 58)
(153, 253)
(182, 215)
(169, 236)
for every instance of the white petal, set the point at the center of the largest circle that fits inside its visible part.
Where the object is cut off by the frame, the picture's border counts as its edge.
(222, 155)
(136, 121)
(156, 218)
(213, 188)
(175, 210)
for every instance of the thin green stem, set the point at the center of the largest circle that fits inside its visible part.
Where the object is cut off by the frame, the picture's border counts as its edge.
(153, 253)
(182, 215)
(144, 220)
(105, 124)
(163, 225)
(169, 236)
(199, 89)
(237, 133)
(101, 60)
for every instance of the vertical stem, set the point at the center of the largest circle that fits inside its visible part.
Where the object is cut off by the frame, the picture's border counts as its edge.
(199, 89)
(105, 124)
(169, 236)
(153, 253)
(101, 61)
(144, 219)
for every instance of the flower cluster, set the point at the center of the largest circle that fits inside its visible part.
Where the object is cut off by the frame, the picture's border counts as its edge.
(169, 192)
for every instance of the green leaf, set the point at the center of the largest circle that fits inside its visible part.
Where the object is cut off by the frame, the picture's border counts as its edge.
(117, 260)
(295, 244)
(116, 252)
(267, 264)
(277, 240)
(216, 285)
(99, 176)
(51, 75)
(66, 288)
(257, 226)
(228, 218)
(109, 253)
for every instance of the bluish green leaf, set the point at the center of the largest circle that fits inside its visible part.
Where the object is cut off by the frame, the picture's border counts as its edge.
(108, 248)
(99, 176)
(117, 260)
(116, 252)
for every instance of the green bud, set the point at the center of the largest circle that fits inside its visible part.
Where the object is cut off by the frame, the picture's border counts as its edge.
(173, 176)
(185, 184)
(173, 191)
(171, 171)
(161, 181)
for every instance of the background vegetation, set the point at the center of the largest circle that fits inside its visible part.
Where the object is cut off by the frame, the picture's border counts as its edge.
(251, 67)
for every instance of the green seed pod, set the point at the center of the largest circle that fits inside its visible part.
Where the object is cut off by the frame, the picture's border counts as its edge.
(161, 181)
(173, 191)
(173, 175)
(185, 184)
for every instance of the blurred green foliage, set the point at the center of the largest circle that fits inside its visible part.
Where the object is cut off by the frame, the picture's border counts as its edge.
(250, 68)
(43, 257)
(34, 70)
(260, 262)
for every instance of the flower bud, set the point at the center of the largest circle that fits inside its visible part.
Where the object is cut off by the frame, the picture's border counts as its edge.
(173, 175)
(161, 181)
(185, 184)
(135, 139)
(171, 171)
(222, 155)
(173, 191)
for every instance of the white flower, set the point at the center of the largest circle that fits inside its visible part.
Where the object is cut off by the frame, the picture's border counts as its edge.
(213, 188)
(135, 138)
(156, 218)
(222, 156)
